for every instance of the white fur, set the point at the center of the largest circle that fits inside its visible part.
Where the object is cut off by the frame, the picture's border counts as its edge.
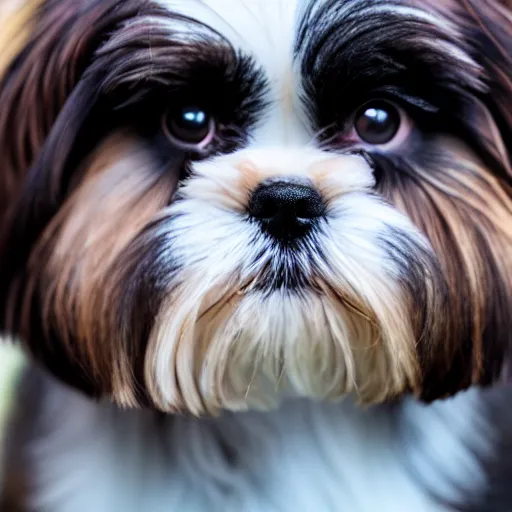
(305, 457)
(311, 344)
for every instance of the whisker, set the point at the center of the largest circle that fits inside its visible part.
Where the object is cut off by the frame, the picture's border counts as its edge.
(219, 304)
(253, 377)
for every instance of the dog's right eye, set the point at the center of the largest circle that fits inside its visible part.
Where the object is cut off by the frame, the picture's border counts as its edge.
(377, 123)
(189, 127)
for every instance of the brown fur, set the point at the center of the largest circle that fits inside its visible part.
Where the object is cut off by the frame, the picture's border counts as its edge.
(119, 195)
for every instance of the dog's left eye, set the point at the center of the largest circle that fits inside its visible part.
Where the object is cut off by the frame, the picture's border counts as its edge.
(377, 122)
(189, 127)
(380, 123)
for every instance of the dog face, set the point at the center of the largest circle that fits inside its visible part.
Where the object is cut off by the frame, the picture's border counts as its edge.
(211, 204)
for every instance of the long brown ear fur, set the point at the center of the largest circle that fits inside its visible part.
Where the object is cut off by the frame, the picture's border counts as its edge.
(46, 96)
(488, 30)
(16, 27)
(44, 51)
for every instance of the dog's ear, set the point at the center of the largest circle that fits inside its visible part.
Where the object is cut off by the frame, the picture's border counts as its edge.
(57, 93)
(85, 70)
(50, 88)
(57, 41)
(73, 52)
(487, 27)
(46, 50)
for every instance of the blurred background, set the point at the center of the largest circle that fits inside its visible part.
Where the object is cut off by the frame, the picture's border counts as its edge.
(10, 364)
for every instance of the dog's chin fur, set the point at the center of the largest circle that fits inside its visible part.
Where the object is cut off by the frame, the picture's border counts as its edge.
(132, 265)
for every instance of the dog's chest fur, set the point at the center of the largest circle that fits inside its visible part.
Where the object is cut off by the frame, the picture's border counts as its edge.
(304, 457)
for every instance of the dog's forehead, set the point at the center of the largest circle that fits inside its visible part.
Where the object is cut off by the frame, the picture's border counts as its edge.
(269, 30)
(278, 34)
(265, 29)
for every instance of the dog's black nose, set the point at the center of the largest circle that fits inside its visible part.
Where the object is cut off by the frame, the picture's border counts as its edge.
(286, 210)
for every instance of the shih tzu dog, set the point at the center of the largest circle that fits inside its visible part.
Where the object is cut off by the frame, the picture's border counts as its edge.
(218, 218)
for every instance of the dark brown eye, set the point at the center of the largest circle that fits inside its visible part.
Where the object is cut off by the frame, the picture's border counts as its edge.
(377, 122)
(189, 126)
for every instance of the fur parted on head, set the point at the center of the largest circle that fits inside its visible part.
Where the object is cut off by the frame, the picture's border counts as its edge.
(343, 226)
